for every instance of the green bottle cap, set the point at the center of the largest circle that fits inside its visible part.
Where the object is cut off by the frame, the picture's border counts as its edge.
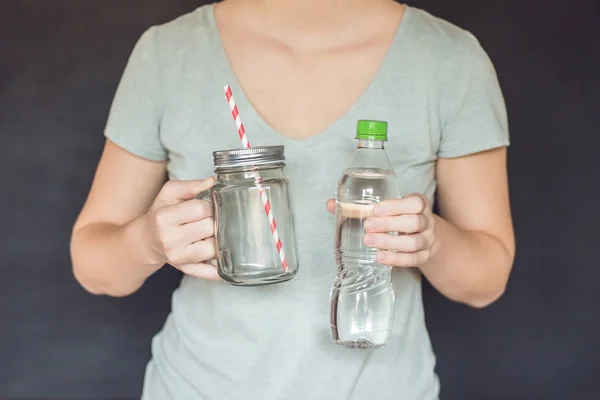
(376, 130)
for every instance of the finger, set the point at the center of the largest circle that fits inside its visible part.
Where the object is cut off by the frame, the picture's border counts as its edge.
(184, 213)
(406, 260)
(176, 191)
(199, 252)
(403, 243)
(197, 231)
(414, 203)
(407, 223)
(202, 270)
(354, 210)
(330, 205)
(193, 253)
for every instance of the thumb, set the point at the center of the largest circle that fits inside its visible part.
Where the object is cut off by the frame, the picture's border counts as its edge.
(330, 206)
(177, 191)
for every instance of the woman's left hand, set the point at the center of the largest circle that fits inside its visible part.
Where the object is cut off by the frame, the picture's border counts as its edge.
(412, 224)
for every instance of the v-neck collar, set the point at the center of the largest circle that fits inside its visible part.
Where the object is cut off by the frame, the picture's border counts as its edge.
(250, 114)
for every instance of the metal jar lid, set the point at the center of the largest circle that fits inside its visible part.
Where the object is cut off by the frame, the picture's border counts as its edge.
(254, 156)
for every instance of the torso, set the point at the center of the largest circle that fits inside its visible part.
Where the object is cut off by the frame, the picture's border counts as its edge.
(273, 342)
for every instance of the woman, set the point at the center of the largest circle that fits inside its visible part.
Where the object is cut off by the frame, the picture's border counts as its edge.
(303, 72)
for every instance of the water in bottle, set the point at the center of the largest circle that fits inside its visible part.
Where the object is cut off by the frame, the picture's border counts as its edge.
(362, 297)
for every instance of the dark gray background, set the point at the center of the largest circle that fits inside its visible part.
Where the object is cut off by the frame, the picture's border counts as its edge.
(60, 62)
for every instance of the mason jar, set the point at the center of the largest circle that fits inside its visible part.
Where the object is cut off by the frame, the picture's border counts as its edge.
(254, 221)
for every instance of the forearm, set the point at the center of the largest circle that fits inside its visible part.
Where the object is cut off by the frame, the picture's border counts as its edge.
(111, 259)
(466, 266)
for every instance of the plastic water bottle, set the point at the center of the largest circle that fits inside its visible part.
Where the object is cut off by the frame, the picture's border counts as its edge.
(362, 297)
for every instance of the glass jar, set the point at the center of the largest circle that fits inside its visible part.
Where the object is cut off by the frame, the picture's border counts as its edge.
(254, 221)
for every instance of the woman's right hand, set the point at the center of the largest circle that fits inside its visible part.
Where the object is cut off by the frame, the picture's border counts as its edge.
(181, 229)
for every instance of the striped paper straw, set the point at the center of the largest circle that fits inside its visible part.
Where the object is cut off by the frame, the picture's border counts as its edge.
(265, 199)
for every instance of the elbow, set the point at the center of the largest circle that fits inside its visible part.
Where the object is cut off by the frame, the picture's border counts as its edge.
(88, 287)
(485, 290)
(98, 287)
(492, 286)
(477, 297)
(83, 281)
(486, 298)
(89, 277)
(483, 294)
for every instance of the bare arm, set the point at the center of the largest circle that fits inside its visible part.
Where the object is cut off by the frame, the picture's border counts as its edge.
(109, 249)
(131, 225)
(474, 246)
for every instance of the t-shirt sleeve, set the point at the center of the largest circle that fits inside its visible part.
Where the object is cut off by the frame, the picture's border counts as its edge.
(472, 109)
(134, 119)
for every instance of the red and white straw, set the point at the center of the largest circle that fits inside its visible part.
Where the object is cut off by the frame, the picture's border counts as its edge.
(265, 198)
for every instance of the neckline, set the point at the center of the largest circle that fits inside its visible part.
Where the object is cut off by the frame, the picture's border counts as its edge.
(249, 113)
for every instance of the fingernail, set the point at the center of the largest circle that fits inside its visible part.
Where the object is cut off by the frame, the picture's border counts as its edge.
(208, 182)
(380, 256)
(370, 225)
(369, 240)
(379, 210)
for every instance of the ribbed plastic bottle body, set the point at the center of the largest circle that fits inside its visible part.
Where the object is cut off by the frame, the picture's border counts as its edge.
(362, 297)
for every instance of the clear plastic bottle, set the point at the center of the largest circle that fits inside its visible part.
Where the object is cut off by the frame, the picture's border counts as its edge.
(362, 297)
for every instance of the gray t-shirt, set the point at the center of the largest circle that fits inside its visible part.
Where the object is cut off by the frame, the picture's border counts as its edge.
(437, 89)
